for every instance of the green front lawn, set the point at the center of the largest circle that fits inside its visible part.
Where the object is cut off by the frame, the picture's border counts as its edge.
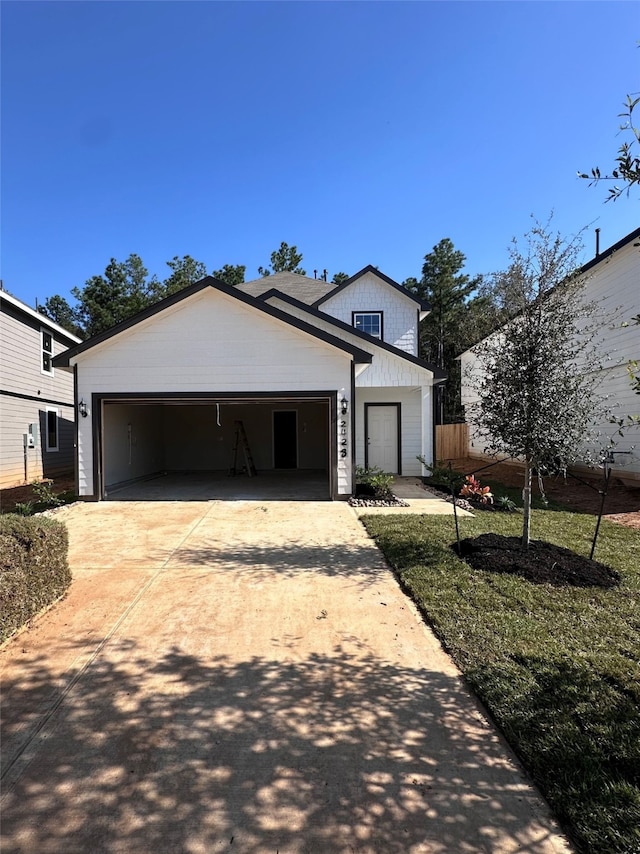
(559, 668)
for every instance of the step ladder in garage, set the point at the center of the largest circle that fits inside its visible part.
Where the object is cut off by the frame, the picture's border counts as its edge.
(241, 440)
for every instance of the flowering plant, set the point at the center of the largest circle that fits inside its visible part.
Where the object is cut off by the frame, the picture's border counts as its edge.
(473, 491)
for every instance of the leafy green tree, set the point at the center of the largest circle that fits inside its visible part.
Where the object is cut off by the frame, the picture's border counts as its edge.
(57, 308)
(119, 293)
(447, 290)
(627, 169)
(232, 274)
(124, 289)
(185, 271)
(339, 278)
(534, 378)
(286, 258)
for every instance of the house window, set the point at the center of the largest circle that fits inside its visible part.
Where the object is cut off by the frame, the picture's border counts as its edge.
(369, 322)
(52, 430)
(47, 351)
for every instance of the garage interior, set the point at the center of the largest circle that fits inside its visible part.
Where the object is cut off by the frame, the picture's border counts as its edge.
(193, 449)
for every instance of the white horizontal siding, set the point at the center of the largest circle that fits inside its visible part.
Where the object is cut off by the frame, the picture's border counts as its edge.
(614, 285)
(21, 363)
(369, 293)
(15, 416)
(209, 343)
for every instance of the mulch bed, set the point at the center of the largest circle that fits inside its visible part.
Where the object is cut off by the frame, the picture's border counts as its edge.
(622, 504)
(541, 563)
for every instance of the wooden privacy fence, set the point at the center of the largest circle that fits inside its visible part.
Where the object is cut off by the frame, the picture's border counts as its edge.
(452, 441)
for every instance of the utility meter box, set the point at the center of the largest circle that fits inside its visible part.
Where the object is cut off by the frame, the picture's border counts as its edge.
(31, 438)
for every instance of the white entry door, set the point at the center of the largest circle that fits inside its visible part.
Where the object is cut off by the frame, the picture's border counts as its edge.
(382, 437)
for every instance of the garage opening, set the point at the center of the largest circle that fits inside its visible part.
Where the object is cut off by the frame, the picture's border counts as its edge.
(190, 449)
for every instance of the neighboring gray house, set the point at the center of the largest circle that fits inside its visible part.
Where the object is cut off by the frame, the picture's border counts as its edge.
(612, 280)
(323, 377)
(36, 399)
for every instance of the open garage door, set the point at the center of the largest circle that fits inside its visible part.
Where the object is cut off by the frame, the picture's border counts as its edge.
(192, 448)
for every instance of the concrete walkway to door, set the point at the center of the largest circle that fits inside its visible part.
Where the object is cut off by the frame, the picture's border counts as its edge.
(246, 676)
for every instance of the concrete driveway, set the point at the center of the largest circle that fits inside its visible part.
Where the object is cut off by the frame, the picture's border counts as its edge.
(246, 677)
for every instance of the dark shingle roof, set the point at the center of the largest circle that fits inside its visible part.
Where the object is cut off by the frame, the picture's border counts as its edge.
(302, 288)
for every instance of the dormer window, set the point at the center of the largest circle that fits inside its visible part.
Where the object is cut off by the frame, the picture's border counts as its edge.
(47, 351)
(369, 322)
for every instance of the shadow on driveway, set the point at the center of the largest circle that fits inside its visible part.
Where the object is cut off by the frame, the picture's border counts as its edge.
(335, 753)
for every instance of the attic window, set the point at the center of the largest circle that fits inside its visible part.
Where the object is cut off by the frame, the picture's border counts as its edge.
(369, 322)
(47, 351)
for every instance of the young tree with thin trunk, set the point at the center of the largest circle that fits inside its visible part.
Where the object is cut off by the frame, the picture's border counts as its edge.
(535, 378)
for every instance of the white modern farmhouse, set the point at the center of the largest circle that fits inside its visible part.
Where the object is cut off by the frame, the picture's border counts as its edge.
(281, 373)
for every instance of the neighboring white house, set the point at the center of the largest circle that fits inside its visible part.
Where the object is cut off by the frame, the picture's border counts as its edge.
(36, 399)
(612, 280)
(323, 377)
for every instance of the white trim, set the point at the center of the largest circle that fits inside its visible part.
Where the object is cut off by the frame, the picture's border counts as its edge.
(49, 352)
(36, 315)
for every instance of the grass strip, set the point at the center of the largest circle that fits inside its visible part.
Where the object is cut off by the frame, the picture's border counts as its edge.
(558, 668)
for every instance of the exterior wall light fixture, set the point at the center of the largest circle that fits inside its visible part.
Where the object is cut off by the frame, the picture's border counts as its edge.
(82, 408)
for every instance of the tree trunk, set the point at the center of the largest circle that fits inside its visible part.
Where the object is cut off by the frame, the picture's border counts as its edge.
(526, 502)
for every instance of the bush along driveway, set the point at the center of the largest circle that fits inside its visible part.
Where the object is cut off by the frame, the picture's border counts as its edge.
(557, 666)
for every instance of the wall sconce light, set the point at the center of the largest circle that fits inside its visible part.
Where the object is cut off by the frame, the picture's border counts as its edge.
(82, 408)
(344, 403)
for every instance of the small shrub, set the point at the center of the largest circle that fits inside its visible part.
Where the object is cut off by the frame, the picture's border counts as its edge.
(43, 491)
(34, 571)
(506, 504)
(24, 508)
(443, 477)
(375, 481)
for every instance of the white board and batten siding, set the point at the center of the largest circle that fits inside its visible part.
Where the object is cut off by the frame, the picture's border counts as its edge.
(371, 294)
(209, 342)
(28, 393)
(614, 285)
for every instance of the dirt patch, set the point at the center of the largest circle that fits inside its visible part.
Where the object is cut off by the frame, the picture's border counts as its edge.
(622, 504)
(541, 563)
(20, 494)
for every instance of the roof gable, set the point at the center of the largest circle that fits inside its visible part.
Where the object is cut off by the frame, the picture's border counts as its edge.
(424, 306)
(590, 265)
(359, 356)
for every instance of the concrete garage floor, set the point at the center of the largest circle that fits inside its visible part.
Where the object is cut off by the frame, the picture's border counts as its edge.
(246, 676)
(294, 485)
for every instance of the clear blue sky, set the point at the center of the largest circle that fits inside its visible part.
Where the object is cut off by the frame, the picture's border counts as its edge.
(362, 132)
